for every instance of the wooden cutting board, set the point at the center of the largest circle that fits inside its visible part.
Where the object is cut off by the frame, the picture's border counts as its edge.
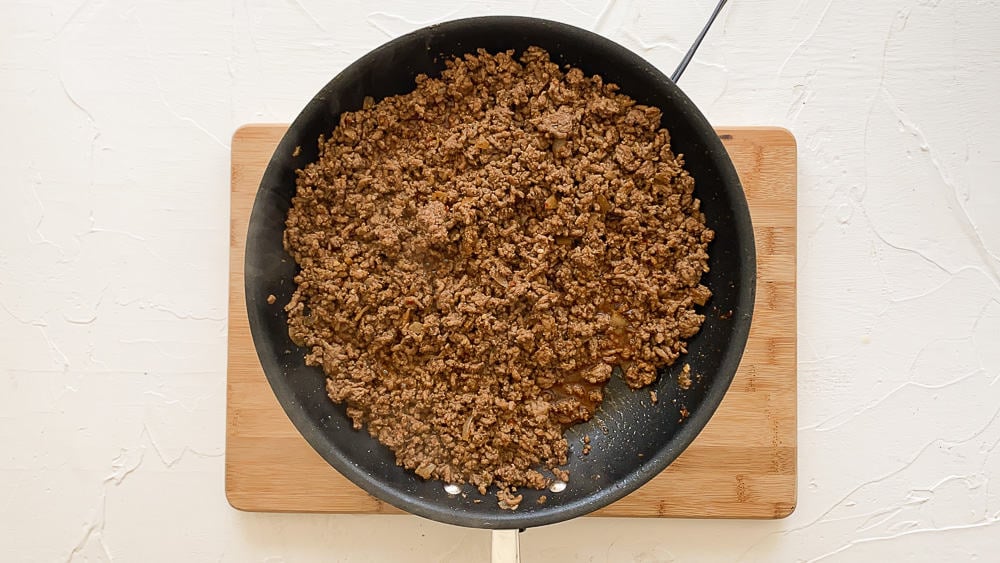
(742, 465)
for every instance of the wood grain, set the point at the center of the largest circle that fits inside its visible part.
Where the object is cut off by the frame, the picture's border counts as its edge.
(742, 465)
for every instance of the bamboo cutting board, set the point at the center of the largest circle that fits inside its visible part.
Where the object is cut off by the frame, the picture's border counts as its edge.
(742, 465)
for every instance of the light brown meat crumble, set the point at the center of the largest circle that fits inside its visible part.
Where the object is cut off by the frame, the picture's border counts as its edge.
(478, 255)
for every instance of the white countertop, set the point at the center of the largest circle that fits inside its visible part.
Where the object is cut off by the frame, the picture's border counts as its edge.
(115, 119)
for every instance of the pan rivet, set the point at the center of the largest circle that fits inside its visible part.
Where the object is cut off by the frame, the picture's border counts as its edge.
(452, 489)
(558, 487)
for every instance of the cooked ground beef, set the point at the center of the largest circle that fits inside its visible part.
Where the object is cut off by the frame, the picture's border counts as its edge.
(479, 254)
(684, 377)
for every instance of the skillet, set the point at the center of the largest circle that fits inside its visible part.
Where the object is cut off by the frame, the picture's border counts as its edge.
(632, 440)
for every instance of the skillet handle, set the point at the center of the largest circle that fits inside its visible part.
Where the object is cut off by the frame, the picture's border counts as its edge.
(505, 547)
(697, 42)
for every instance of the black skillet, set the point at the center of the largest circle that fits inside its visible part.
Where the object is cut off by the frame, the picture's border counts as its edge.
(632, 438)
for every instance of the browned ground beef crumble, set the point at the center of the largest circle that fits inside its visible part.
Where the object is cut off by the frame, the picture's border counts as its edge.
(479, 254)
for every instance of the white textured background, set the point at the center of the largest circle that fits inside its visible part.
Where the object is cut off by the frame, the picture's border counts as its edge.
(115, 119)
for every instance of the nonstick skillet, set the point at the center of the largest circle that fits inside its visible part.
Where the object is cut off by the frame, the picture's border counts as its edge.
(632, 439)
